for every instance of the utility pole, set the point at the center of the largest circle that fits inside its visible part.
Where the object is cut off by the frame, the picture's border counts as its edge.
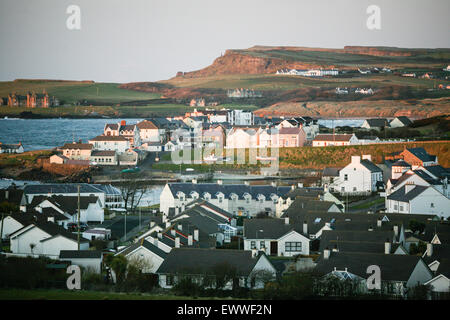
(125, 225)
(1, 231)
(78, 241)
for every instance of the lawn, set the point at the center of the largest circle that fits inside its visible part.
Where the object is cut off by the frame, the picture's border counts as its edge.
(368, 204)
(54, 294)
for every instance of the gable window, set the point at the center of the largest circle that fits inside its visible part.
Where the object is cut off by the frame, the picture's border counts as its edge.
(253, 245)
(262, 244)
(292, 246)
(432, 205)
(169, 280)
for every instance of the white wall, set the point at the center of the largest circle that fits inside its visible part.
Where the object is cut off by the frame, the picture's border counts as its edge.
(10, 226)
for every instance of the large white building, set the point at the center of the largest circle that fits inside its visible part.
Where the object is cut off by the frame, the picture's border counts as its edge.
(237, 199)
(114, 143)
(240, 118)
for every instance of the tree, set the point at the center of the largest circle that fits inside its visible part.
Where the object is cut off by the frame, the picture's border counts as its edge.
(119, 266)
(223, 273)
(416, 226)
(419, 248)
(132, 192)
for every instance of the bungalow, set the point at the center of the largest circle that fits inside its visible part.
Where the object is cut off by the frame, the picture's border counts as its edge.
(44, 238)
(324, 140)
(104, 158)
(275, 237)
(401, 121)
(90, 260)
(146, 255)
(11, 148)
(400, 272)
(418, 157)
(249, 268)
(376, 124)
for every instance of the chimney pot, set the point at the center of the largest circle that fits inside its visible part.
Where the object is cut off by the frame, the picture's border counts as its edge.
(286, 220)
(305, 227)
(196, 232)
(190, 240)
(326, 253)
(429, 249)
(387, 247)
(177, 242)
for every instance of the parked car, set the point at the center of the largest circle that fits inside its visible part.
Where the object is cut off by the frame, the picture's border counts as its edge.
(73, 226)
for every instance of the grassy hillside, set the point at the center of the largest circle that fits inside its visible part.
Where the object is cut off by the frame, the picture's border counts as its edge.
(319, 158)
(70, 92)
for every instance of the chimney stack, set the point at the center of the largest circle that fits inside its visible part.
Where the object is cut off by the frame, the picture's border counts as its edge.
(159, 235)
(196, 234)
(194, 181)
(254, 253)
(356, 159)
(190, 240)
(300, 185)
(274, 184)
(180, 227)
(379, 223)
(396, 230)
(155, 241)
(6, 194)
(286, 220)
(177, 242)
(167, 224)
(246, 183)
(387, 247)
(293, 187)
(305, 227)
(370, 228)
(220, 182)
(152, 224)
(409, 187)
(173, 232)
(429, 249)
(367, 157)
(335, 249)
(326, 253)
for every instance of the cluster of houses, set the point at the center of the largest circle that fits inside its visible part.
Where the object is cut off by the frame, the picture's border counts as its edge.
(381, 123)
(30, 100)
(42, 225)
(309, 73)
(279, 229)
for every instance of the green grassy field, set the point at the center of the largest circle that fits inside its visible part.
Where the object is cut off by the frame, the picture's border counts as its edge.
(71, 91)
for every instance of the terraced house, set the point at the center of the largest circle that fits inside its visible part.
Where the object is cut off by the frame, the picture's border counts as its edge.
(237, 199)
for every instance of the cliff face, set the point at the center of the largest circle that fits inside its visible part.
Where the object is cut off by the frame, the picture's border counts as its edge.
(233, 62)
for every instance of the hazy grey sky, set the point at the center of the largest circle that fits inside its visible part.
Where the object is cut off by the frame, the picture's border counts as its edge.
(147, 40)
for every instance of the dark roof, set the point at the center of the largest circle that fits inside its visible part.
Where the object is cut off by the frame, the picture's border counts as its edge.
(356, 241)
(81, 146)
(440, 252)
(53, 230)
(147, 245)
(394, 267)
(400, 195)
(271, 228)
(444, 268)
(438, 171)
(60, 188)
(147, 124)
(104, 153)
(68, 204)
(227, 189)
(303, 205)
(401, 163)
(109, 138)
(313, 193)
(199, 261)
(421, 154)
(370, 166)
(380, 122)
(331, 172)
(404, 120)
(11, 195)
(80, 254)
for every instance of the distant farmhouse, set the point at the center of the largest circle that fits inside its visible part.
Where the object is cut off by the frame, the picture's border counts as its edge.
(11, 148)
(31, 100)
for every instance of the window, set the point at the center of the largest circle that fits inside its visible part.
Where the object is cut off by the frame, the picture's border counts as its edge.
(169, 280)
(293, 246)
(345, 177)
(432, 205)
(401, 208)
(354, 188)
(262, 244)
(253, 245)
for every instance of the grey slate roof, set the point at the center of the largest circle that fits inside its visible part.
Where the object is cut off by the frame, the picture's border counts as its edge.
(271, 228)
(80, 254)
(60, 188)
(147, 245)
(439, 171)
(331, 172)
(400, 195)
(200, 261)
(68, 204)
(440, 252)
(303, 204)
(370, 165)
(421, 154)
(394, 267)
(227, 189)
(380, 122)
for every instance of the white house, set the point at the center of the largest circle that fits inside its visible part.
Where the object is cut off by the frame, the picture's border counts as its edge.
(146, 255)
(240, 118)
(11, 148)
(417, 199)
(401, 121)
(90, 260)
(275, 237)
(251, 268)
(44, 238)
(114, 143)
(360, 176)
(324, 140)
(150, 131)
